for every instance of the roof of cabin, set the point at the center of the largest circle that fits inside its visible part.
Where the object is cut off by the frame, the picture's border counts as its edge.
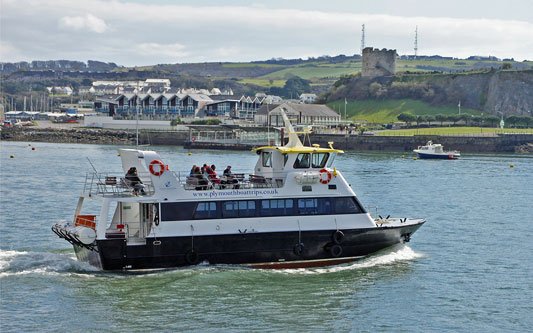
(301, 149)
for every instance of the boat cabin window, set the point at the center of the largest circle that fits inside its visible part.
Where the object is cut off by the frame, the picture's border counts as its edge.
(331, 159)
(285, 158)
(238, 208)
(206, 210)
(319, 160)
(276, 207)
(183, 211)
(267, 159)
(346, 206)
(302, 161)
(314, 206)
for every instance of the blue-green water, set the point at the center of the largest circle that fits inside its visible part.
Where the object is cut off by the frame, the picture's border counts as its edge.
(468, 269)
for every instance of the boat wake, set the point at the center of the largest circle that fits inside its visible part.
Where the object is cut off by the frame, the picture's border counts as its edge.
(40, 263)
(395, 254)
(14, 263)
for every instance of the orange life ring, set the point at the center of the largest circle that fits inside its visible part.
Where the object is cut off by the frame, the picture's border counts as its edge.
(161, 168)
(327, 179)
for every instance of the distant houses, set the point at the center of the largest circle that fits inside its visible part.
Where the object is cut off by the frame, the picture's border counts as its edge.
(60, 90)
(156, 99)
(308, 98)
(159, 106)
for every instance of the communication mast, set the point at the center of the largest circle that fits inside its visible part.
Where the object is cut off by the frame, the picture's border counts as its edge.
(362, 39)
(416, 41)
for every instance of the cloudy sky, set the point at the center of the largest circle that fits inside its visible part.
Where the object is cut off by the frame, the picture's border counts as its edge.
(134, 32)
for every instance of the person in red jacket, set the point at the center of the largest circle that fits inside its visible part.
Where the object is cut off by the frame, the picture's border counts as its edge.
(212, 174)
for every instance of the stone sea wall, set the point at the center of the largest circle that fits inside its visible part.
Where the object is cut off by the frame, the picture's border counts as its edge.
(501, 143)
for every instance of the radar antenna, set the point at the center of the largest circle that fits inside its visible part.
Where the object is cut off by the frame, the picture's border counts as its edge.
(362, 39)
(416, 41)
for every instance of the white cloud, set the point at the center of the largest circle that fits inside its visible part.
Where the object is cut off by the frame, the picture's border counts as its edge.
(166, 50)
(157, 33)
(8, 50)
(88, 22)
(228, 51)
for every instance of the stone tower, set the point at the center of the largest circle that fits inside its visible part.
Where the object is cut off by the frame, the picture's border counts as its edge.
(378, 62)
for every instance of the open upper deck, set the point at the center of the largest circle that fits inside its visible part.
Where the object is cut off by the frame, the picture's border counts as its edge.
(276, 167)
(116, 185)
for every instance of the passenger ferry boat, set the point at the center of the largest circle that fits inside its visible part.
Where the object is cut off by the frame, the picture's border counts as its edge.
(436, 150)
(295, 210)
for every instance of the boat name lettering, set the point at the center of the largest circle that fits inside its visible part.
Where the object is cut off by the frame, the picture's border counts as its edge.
(215, 194)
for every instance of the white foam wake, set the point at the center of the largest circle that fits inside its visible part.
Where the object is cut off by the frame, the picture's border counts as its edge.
(40, 263)
(395, 254)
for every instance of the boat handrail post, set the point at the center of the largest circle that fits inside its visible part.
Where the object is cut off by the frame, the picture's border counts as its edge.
(375, 207)
(102, 221)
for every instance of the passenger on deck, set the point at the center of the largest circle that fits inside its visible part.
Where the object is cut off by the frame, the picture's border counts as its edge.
(191, 174)
(204, 167)
(227, 172)
(212, 174)
(134, 181)
(228, 177)
(202, 181)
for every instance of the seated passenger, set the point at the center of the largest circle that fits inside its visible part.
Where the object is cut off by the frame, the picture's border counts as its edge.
(191, 174)
(134, 181)
(227, 171)
(212, 174)
(228, 177)
(201, 179)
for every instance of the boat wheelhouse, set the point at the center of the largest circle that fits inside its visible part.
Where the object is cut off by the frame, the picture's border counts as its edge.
(436, 150)
(293, 210)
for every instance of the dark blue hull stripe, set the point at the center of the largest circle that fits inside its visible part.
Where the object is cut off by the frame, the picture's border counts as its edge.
(442, 157)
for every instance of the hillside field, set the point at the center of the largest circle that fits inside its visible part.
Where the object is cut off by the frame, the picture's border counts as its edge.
(387, 111)
(454, 131)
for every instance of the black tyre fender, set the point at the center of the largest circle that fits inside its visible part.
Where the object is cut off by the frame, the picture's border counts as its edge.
(192, 257)
(299, 249)
(337, 237)
(335, 250)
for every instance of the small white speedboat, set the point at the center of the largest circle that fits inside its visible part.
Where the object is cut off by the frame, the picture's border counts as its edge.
(436, 150)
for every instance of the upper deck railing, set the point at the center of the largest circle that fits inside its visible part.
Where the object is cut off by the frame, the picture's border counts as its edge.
(237, 180)
(116, 185)
(107, 184)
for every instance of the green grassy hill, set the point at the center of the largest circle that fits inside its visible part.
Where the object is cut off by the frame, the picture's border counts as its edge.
(387, 111)
(454, 131)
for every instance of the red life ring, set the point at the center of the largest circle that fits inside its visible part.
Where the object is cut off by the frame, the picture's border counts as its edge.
(161, 168)
(327, 179)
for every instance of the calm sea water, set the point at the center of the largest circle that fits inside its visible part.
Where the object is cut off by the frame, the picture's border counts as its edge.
(468, 269)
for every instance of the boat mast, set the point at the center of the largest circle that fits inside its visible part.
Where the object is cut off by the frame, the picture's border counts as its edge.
(294, 140)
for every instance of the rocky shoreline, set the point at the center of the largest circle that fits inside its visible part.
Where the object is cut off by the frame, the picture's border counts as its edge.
(77, 135)
(525, 149)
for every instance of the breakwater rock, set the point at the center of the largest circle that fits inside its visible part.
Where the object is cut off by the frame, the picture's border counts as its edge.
(78, 135)
(525, 149)
(93, 135)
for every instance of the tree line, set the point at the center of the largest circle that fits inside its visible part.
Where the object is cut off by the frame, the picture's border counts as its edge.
(467, 119)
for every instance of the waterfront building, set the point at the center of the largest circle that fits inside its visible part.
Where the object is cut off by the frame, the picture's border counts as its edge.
(308, 98)
(166, 106)
(299, 114)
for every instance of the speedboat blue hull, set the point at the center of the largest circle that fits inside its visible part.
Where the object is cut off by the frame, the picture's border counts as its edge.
(450, 156)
